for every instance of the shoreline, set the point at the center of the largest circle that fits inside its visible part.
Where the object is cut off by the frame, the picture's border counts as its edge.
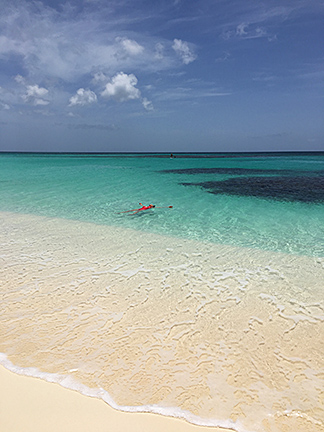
(34, 405)
(159, 322)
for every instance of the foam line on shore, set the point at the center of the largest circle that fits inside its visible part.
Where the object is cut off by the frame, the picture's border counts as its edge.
(69, 383)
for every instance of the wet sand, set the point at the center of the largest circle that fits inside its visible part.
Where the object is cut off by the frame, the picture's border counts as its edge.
(219, 335)
(33, 405)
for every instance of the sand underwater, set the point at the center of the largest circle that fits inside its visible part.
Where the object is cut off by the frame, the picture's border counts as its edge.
(218, 335)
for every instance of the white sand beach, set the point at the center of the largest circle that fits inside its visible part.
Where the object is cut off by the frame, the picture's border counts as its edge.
(223, 335)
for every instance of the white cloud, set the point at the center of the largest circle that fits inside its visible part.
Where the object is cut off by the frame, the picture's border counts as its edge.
(71, 45)
(36, 91)
(122, 88)
(130, 47)
(183, 50)
(147, 104)
(83, 97)
(35, 94)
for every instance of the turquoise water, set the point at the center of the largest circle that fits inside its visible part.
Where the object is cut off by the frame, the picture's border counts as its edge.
(218, 335)
(265, 201)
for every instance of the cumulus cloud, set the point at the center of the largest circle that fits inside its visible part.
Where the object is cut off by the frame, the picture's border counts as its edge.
(35, 94)
(36, 91)
(122, 87)
(83, 97)
(184, 52)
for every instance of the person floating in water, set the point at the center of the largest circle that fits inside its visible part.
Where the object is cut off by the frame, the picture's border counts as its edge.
(144, 207)
(150, 206)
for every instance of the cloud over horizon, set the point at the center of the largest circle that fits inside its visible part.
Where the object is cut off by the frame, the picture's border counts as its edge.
(83, 97)
(122, 88)
(35, 95)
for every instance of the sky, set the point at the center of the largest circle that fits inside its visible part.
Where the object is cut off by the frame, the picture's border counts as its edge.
(161, 76)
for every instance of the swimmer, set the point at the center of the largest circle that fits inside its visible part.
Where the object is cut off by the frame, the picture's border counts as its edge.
(135, 211)
(144, 207)
(140, 209)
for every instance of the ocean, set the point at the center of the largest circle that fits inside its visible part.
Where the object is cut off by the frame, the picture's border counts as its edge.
(211, 310)
(267, 201)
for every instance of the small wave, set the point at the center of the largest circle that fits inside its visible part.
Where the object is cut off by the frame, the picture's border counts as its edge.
(70, 383)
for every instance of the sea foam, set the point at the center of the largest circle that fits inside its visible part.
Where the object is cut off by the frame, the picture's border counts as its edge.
(215, 334)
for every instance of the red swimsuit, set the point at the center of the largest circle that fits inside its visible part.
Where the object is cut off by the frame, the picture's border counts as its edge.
(145, 207)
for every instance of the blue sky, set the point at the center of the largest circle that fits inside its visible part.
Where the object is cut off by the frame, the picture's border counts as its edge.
(167, 75)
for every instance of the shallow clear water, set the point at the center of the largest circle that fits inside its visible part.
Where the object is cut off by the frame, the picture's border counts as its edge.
(286, 218)
(164, 311)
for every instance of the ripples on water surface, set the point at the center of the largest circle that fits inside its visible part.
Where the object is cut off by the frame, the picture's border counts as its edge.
(273, 201)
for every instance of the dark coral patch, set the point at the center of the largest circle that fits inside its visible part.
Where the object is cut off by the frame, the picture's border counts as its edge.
(240, 171)
(291, 188)
(230, 171)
